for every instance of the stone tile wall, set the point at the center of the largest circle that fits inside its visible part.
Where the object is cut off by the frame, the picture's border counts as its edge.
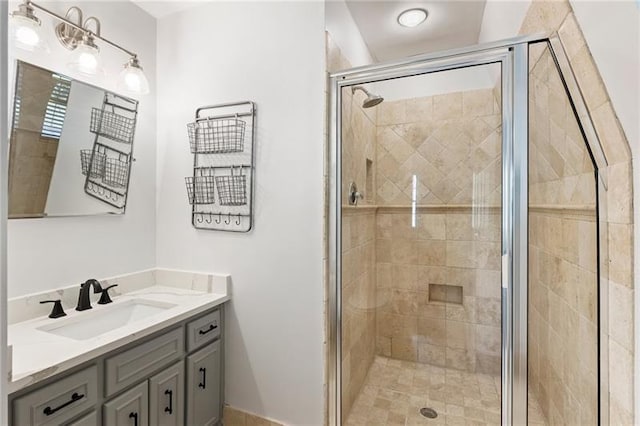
(452, 144)
(563, 263)
(615, 207)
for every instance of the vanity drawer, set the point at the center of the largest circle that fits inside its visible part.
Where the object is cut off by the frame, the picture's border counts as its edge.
(203, 330)
(90, 419)
(58, 402)
(128, 367)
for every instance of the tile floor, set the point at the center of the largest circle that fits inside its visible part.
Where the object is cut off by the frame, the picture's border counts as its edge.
(395, 390)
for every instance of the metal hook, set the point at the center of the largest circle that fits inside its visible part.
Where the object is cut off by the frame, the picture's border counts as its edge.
(219, 219)
(238, 221)
(210, 219)
(199, 218)
(228, 220)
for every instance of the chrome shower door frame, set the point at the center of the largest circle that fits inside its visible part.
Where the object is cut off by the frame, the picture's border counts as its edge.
(512, 55)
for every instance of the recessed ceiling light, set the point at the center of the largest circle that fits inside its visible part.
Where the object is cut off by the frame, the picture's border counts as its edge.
(412, 17)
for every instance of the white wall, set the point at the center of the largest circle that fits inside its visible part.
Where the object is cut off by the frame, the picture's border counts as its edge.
(271, 53)
(4, 139)
(345, 33)
(502, 19)
(50, 253)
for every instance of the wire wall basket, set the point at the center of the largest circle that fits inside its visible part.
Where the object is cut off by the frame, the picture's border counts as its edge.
(200, 189)
(116, 173)
(232, 190)
(220, 190)
(212, 135)
(112, 125)
(95, 167)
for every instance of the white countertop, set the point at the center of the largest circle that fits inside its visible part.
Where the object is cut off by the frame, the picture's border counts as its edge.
(39, 354)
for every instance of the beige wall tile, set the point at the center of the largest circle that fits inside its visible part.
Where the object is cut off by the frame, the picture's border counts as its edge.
(621, 315)
(447, 106)
(620, 381)
(619, 194)
(620, 254)
(610, 133)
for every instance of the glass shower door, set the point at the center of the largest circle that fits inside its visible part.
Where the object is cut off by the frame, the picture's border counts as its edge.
(563, 261)
(421, 219)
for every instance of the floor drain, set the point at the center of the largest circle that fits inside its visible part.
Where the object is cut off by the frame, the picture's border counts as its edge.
(429, 413)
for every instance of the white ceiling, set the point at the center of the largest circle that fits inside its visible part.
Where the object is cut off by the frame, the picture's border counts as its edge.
(160, 9)
(450, 24)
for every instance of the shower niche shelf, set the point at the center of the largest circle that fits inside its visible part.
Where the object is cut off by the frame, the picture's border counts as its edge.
(220, 189)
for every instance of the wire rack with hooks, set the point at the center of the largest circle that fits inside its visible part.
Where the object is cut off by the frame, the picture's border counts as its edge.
(221, 188)
(107, 166)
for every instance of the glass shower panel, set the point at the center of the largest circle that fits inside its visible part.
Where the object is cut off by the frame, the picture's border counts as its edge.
(563, 283)
(421, 179)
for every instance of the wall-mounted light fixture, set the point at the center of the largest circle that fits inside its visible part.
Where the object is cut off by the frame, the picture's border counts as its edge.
(76, 36)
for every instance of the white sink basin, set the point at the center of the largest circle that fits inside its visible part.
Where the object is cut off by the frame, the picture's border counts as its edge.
(102, 319)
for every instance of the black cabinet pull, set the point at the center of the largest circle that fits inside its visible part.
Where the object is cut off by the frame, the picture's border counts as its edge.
(75, 397)
(134, 416)
(211, 328)
(169, 409)
(203, 384)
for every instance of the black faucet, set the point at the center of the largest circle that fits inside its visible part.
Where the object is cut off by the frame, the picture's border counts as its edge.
(83, 298)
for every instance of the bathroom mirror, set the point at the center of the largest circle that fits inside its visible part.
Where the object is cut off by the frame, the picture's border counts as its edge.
(70, 149)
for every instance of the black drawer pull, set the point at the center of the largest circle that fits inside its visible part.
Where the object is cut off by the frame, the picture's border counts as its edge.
(169, 409)
(203, 384)
(134, 416)
(211, 328)
(75, 397)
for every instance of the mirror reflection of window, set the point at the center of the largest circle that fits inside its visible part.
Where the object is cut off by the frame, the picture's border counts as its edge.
(39, 112)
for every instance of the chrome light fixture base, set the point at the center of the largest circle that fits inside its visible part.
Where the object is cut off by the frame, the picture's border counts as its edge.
(68, 36)
(25, 10)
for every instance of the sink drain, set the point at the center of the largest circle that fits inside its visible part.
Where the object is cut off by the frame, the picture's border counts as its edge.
(429, 413)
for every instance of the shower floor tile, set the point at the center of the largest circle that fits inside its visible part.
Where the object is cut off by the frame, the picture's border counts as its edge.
(395, 391)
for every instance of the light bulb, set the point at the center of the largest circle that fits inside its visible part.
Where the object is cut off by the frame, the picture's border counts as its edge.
(412, 17)
(86, 57)
(26, 32)
(132, 78)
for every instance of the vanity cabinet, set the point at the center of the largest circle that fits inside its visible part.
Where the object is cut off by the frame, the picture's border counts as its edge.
(203, 391)
(129, 409)
(170, 378)
(167, 397)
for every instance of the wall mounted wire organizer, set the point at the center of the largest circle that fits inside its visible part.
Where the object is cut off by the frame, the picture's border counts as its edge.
(222, 140)
(107, 166)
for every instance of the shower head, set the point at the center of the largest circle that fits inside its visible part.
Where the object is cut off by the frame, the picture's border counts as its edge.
(371, 101)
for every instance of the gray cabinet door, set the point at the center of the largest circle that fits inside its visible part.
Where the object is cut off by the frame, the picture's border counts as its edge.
(129, 409)
(90, 419)
(166, 397)
(203, 386)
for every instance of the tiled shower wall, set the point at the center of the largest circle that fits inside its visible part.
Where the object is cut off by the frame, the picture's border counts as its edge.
(358, 300)
(616, 213)
(358, 239)
(451, 144)
(563, 263)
